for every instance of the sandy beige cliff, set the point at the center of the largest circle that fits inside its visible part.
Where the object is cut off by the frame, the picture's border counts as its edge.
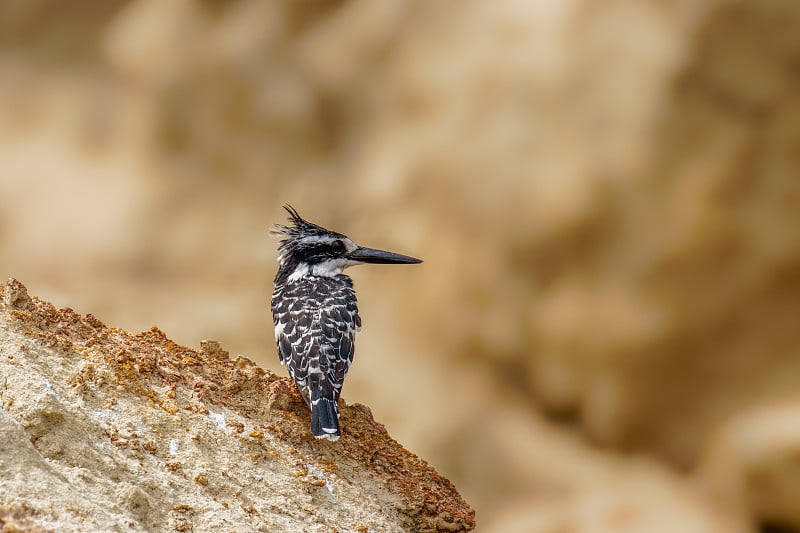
(104, 430)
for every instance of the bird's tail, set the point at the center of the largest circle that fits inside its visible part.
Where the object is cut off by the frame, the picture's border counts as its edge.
(324, 413)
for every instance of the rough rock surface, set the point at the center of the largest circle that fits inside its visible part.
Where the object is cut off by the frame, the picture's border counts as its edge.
(103, 430)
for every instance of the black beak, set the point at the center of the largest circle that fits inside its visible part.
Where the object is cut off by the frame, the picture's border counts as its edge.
(371, 255)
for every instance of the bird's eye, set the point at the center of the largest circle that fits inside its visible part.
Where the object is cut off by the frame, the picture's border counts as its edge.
(338, 247)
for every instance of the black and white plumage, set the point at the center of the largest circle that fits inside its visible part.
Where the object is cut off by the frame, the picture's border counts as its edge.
(315, 313)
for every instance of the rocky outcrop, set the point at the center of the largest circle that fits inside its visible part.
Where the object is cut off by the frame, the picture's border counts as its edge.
(104, 430)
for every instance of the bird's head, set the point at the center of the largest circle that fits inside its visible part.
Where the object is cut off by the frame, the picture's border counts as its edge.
(311, 250)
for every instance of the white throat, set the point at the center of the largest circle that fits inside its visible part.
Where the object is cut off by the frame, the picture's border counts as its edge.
(329, 269)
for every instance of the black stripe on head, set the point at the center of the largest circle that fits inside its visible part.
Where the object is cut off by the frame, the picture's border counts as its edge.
(318, 252)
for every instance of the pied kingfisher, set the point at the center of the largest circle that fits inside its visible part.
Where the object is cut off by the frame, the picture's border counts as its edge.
(315, 313)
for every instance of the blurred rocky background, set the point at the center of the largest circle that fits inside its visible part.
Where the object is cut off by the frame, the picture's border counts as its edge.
(605, 334)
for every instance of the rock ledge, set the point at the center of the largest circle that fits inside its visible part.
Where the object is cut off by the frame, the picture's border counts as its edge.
(104, 430)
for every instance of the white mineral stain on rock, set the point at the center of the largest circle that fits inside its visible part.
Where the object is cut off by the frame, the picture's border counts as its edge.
(48, 387)
(218, 419)
(319, 474)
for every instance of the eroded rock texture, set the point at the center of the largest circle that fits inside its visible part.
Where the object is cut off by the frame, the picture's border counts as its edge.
(103, 430)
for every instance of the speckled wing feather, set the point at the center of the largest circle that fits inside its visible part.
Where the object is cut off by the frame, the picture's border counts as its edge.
(316, 319)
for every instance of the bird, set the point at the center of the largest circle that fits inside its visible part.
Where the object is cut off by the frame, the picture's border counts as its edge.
(315, 312)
